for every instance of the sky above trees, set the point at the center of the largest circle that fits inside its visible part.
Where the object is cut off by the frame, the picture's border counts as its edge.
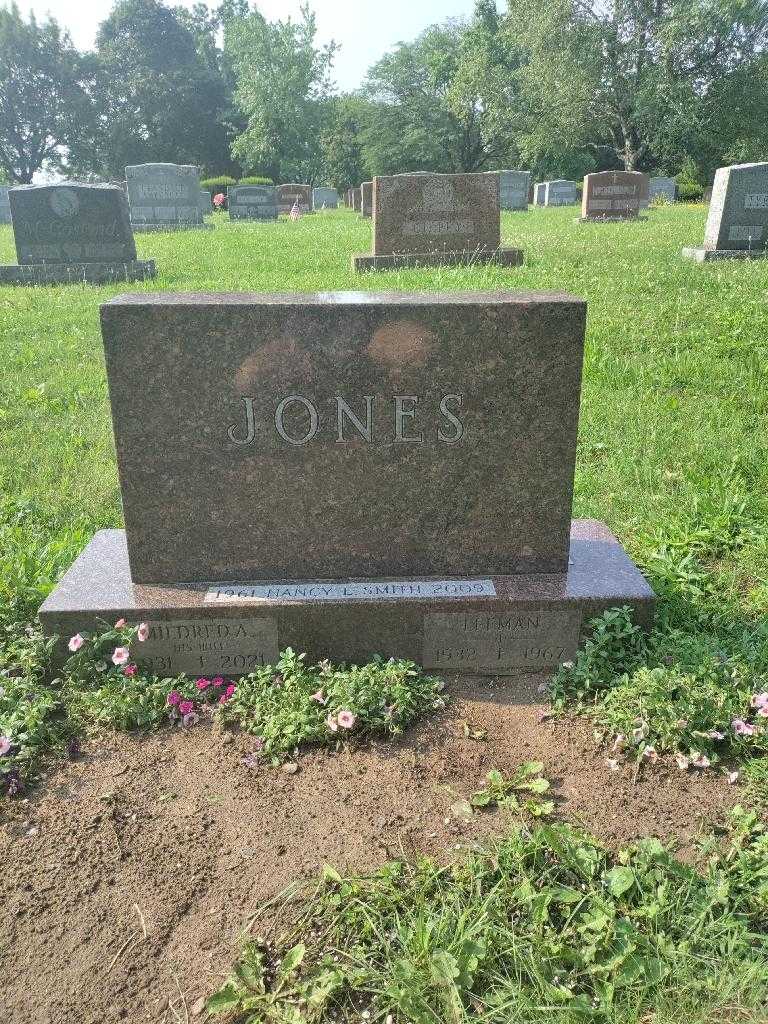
(365, 29)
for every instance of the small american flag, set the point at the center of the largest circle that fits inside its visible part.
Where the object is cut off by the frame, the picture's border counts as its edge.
(295, 211)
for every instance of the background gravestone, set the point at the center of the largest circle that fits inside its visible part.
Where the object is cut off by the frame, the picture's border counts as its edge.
(613, 195)
(356, 199)
(436, 219)
(324, 196)
(164, 197)
(5, 205)
(539, 193)
(366, 199)
(363, 444)
(513, 189)
(206, 202)
(560, 192)
(72, 232)
(662, 188)
(252, 202)
(737, 221)
(290, 194)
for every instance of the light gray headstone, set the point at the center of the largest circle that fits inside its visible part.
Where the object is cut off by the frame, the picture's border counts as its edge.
(324, 196)
(5, 205)
(539, 192)
(513, 189)
(164, 194)
(738, 211)
(560, 192)
(662, 188)
(206, 202)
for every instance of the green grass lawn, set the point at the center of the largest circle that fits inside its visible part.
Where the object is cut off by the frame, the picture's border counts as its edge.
(672, 455)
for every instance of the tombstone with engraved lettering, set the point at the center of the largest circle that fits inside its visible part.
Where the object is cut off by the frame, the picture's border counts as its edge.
(662, 190)
(513, 189)
(560, 192)
(5, 205)
(165, 197)
(347, 474)
(252, 202)
(737, 222)
(436, 220)
(613, 195)
(206, 202)
(291, 195)
(71, 233)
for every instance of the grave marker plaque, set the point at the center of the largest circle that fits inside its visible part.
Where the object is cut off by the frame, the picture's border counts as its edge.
(613, 195)
(164, 197)
(737, 221)
(324, 196)
(253, 202)
(293, 194)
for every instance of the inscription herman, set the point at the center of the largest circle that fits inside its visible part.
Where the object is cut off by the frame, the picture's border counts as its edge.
(451, 431)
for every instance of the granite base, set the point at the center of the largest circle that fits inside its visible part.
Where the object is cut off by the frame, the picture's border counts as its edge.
(148, 228)
(77, 273)
(498, 626)
(705, 255)
(362, 262)
(609, 220)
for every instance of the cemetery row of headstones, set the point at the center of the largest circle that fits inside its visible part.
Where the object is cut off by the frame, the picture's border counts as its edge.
(78, 232)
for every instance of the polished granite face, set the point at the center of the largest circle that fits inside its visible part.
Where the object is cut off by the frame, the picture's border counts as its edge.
(422, 213)
(343, 435)
(514, 187)
(324, 196)
(71, 224)
(502, 625)
(294, 194)
(613, 195)
(164, 194)
(252, 202)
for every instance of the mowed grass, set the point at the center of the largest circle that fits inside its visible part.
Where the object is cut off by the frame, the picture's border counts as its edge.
(674, 399)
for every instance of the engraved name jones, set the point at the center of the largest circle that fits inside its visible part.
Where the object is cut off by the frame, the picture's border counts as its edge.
(297, 420)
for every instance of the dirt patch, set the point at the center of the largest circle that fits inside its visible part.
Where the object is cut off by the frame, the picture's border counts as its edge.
(129, 876)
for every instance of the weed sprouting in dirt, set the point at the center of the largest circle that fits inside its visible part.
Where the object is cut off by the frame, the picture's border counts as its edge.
(543, 925)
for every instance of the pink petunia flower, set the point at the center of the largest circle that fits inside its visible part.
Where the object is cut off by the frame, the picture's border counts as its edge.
(742, 728)
(318, 697)
(713, 734)
(143, 632)
(223, 698)
(217, 681)
(186, 707)
(5, 745)
(174, 697)
(759, 700)
(130, 670)
(733, 777)
(682, 762)
(762, 711)
(120, 655)
(120, 623)
(332, 724)
(230, 690)
(76, 642)
(699, 760)
(203, 684)
(191, 718)
(346, 719)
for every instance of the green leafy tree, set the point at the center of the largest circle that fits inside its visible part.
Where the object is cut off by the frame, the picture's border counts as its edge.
(631, 80)
(159, 92)
(343, 149)
(282, 91)
(43, 94)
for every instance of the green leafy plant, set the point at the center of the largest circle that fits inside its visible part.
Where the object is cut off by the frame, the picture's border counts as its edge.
(255, 179)
(544, 924)
(506, 792)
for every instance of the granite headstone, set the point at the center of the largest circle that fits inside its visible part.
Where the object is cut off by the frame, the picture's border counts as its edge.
(366, 199)
(206, 202)
(539, 193)
(737, 222)
(663, 189)
(164, 197)
(357, 202)
(252, 202)
(613, 195)
(332, 472)
(5, 205)
(292, 194)
(434, 220)
(560, 192)
(72, 232)
(324, 196)
(513, 189)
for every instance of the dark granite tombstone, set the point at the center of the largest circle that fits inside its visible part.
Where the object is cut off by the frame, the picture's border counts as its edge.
(347, 474)
(252, 202)
(165, 197)
(291, 195)
(357, 200)
(436, 220)
(71, 233)
(737, 222)
(5, 205)
(206, 202)
(366, 199)
(613, 195)
(324, 196)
